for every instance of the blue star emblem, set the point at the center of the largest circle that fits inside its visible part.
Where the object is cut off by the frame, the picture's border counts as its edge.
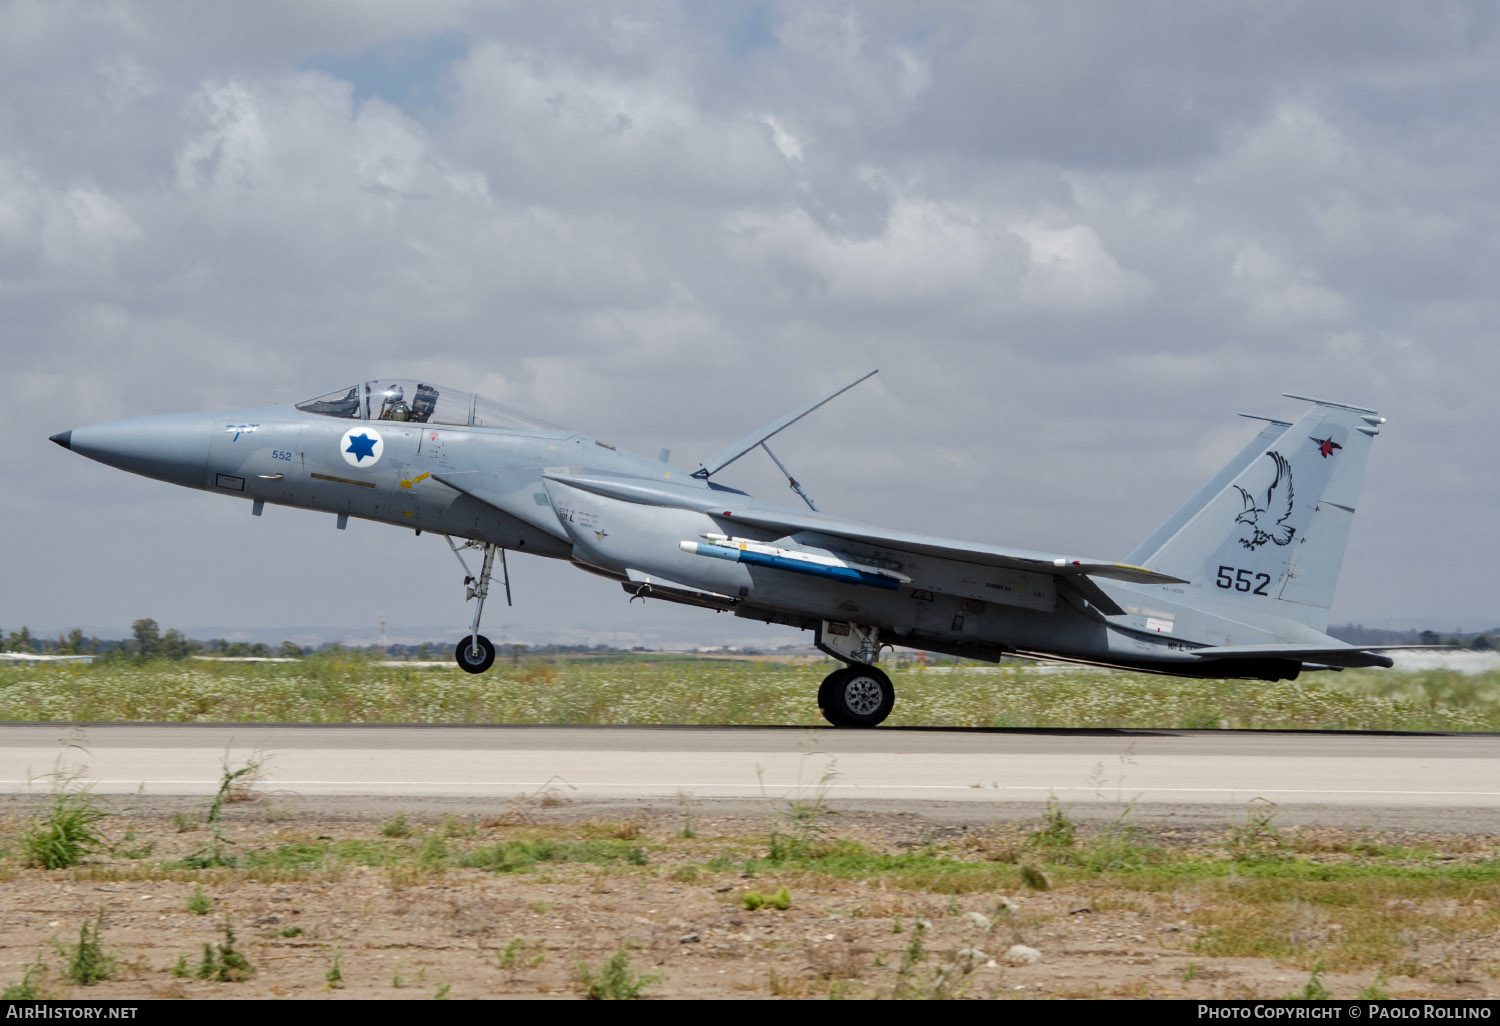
(361, 446)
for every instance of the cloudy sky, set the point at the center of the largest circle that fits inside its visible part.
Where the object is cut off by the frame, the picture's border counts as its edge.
(1076, 239)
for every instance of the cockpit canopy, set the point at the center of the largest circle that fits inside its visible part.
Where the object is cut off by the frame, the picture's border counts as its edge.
(402, 399)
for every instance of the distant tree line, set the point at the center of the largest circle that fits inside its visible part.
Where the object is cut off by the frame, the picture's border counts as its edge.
(146, 641)
(1358, 634)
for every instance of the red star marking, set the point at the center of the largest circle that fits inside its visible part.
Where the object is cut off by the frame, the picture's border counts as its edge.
(1327, 445)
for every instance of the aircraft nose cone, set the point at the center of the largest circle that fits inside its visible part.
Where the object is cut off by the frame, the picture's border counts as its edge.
(171, 448)
(63, 438)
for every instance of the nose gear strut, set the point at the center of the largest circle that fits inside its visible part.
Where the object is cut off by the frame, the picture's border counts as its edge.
(475, 653)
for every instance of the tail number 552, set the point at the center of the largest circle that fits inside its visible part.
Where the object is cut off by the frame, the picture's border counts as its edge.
(1234, 579)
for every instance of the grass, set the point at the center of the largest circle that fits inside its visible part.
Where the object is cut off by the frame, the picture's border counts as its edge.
(519, 856)
(65, 834)
(346, 688)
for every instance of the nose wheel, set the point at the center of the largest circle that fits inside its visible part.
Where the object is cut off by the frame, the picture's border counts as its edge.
(858, 695)
(475, 653)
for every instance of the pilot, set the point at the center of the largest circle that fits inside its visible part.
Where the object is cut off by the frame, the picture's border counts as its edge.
(394, 407)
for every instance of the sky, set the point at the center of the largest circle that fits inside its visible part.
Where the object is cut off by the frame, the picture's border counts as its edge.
(1077, 239)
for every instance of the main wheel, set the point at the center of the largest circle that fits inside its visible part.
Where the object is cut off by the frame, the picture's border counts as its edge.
(857, 696)
(466, 660)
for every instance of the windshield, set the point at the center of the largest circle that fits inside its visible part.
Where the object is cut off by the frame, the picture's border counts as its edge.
(418, 402)
(344, 403)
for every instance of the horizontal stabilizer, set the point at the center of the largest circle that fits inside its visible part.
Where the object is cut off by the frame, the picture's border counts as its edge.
(1339, 655)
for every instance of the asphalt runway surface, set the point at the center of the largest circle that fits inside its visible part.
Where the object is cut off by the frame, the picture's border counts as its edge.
(1442, 782)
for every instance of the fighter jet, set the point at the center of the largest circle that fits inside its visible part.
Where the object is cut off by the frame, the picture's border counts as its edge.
(1236, 583)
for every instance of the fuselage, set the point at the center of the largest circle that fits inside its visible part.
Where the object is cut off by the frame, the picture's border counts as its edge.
(649, 525)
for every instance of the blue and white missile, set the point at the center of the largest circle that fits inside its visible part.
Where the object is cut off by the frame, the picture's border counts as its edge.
(814, 564)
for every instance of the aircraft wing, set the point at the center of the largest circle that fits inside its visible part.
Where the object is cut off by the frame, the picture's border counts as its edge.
(1350, 656)
(782, 523)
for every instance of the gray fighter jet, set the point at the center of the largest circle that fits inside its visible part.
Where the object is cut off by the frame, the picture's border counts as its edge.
(1236, 583)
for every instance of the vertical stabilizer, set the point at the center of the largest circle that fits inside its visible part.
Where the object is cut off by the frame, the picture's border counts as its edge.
(1271, 535)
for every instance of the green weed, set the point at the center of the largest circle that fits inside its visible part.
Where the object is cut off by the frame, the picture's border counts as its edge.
(801, 830)
(223, 962)
(906, 976)
(1034, 878)
(512, 954)
(86, 962)
(1257, 837)
(31, 986)
(613, 980)
(234, 786)
(753, 900)
(515, 956)
(1057, 829)
(334, 977)
(199, 904)
(398, 827)
(1313, 989)
(434, 855)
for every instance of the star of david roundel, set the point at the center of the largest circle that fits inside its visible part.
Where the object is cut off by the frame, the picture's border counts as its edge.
(361, 447)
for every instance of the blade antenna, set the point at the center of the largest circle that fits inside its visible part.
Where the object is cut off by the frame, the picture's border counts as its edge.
(790, 479)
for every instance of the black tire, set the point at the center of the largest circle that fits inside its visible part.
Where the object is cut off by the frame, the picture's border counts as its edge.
(858, 696)
(466, 660)
(825, 695)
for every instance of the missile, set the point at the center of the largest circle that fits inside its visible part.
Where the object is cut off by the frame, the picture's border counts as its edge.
(814, 564)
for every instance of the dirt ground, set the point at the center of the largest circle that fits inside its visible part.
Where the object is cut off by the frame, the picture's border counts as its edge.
(355, 931)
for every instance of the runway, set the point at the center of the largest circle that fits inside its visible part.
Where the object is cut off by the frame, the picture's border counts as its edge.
(1452, 781)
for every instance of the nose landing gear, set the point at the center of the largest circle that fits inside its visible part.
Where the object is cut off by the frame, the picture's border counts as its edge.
(475, 653)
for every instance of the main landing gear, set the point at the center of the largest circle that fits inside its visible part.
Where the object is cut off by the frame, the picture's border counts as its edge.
(857, 694)
(475, 653)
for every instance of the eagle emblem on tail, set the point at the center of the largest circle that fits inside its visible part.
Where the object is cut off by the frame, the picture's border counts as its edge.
(1278, 500)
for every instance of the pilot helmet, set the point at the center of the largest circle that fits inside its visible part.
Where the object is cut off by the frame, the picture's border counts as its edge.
(394, 394)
